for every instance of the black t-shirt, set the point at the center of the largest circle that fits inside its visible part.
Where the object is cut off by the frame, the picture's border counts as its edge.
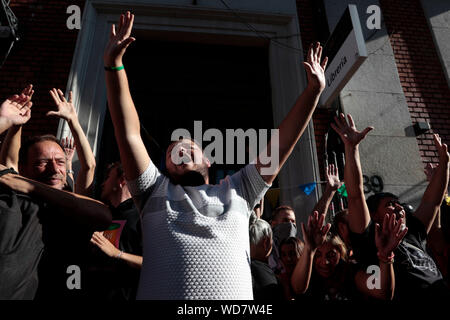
(265, 284)
(21, 245)
(416, 273)
(131, 237)
(66, 245)
(342, 286)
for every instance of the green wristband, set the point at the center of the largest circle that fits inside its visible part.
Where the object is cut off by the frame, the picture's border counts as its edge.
(114, 68)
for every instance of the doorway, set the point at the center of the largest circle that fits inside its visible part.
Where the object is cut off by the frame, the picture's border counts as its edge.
(174, 83)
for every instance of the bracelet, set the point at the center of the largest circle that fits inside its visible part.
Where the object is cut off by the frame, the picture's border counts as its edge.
(387, 260)
(70, 172)
(114, 68)
(119, 255)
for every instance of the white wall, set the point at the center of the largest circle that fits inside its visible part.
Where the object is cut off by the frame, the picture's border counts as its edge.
(374, 96)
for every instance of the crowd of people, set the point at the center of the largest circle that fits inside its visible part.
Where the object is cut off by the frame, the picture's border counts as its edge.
(183, 238)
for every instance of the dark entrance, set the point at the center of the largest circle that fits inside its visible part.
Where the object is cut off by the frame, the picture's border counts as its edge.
(175, 83)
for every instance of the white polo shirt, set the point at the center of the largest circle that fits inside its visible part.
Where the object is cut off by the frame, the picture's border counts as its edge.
(196, 239)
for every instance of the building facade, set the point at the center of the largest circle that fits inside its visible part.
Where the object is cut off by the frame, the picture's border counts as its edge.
(238, 64)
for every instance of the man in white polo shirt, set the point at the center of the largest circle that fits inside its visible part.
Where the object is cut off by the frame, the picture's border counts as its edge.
(195, 235)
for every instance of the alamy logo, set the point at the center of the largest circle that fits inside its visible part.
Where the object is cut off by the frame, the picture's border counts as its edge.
(258, 146)
(373, 281)
(74, 20)
(74, 280)
(374, 21)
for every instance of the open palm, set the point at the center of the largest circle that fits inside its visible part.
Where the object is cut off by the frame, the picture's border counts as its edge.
(119, 41)
(442, 149)
(389, 235)
(66, 110)
(332, 175)
(348, 132)
(16, 109)
(314, 69)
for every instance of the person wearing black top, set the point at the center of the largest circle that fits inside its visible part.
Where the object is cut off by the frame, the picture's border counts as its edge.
(116, 271)
(265, 284)
(20, 236)
(417, 276)
(323, 271)
(24, 203)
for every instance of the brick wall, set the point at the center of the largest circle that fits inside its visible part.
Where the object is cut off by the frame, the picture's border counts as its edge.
(419, 68)
(420, 71)
(42, 57)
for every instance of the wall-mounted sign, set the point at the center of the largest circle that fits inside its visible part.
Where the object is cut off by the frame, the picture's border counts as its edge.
(346, 51)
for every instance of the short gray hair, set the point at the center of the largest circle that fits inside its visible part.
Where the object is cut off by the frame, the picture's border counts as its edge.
(259, 229)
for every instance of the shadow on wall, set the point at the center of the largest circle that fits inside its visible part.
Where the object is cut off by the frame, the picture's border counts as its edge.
(413, 195)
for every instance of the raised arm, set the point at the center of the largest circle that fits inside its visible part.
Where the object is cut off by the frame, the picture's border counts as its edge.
(436, 227)
(9, 154)
(293, 125)
(14, 112)
(333, 183)
(134, 156)
(434, 193)
(358, 212)
(436, 238)
(66, 111)
(387, 239)
(314, 236)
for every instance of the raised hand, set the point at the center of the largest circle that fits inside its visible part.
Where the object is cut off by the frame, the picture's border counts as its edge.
(69, 148)
(441, 149)
(119, 41)
(16, 110)
(332, 176)
(66, 110)
(314, 69)
(316, 233)
(429, 170)
(348, 132)
(389, 236)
